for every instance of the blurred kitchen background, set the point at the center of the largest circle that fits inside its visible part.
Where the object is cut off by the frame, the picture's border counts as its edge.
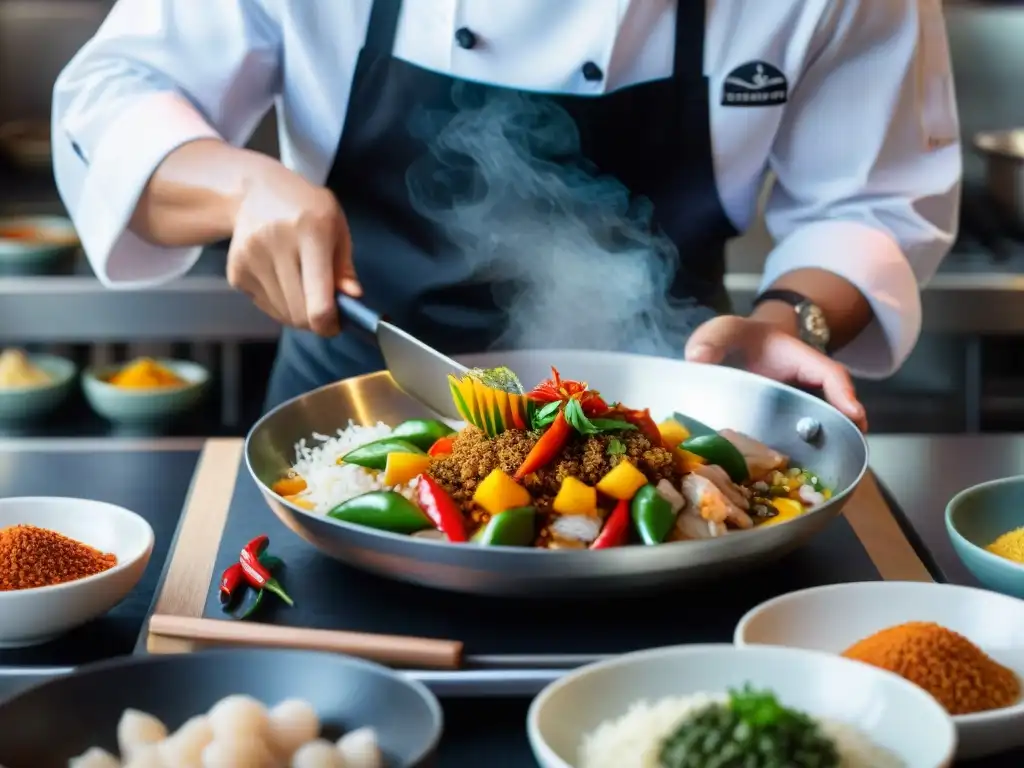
(967, 373)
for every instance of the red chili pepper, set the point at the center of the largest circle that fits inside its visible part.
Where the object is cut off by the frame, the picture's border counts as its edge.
(441, 447)
(258, 576)
(230, 583)
(642, 421)
(439, 507)
(616, 528)
(545, 449)
(558, 389)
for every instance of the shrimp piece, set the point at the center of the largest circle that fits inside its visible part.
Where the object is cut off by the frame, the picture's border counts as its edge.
(761, 460)
(690, 525)
(734, 493)
(706, 497)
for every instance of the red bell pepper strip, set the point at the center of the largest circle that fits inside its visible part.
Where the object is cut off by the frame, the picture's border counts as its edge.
(545, 449)
(616, 528)
(643, 422)
(231, 582)
(441, 447)
(439, 507)
(257, 574)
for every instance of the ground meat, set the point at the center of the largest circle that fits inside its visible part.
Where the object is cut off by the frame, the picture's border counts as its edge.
(473, 457)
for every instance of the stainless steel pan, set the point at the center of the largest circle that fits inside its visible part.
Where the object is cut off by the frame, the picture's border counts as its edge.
(1004, 172)
(720, 397)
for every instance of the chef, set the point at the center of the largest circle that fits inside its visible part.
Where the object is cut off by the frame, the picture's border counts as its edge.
(848, 103)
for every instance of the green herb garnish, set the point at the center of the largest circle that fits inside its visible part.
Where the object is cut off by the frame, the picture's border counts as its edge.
(615, 447)
(541, 418)
(752, 730)
(579, 421)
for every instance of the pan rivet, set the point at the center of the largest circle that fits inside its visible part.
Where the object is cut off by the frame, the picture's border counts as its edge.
(808, 428)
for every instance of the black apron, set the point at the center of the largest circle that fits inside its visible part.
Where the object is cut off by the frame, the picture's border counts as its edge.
(653, 137)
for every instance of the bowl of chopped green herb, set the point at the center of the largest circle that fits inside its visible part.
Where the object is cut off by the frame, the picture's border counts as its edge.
(698, 706)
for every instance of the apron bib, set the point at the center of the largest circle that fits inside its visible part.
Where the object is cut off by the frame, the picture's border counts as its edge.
(399, 167)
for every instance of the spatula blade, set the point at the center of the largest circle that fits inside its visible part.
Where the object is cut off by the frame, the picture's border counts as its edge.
(421, 371)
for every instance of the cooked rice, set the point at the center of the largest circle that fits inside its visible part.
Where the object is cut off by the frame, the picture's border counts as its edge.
(634, 740)
(329, 483)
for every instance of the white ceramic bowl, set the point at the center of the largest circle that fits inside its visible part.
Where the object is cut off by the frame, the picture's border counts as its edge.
(833, 618)
(891, 712)
(33, 616)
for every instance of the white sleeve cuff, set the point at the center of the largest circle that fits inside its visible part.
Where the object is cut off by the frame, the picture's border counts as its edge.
(871, 260)
(120, 168)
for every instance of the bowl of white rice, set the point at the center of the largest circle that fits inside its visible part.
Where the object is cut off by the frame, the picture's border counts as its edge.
(622, 713)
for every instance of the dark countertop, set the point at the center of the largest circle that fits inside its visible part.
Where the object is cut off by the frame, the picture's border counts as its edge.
(152, 478)
(923, 472)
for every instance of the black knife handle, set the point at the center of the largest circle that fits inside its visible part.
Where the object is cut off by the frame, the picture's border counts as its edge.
(356, 313)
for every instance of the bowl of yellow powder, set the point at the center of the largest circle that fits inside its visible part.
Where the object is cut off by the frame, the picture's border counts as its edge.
(145, 393)
(32, 386)
(986, 526)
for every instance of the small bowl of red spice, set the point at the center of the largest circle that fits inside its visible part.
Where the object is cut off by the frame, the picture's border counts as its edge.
(964, 646)
(64, 562)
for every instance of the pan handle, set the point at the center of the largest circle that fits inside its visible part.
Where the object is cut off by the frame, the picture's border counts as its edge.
(354, 312)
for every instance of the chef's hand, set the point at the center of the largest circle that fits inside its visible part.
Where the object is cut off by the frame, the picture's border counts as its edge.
(768, 351)
(291, 250)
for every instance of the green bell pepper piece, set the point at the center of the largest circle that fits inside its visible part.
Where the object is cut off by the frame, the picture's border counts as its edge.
(511, 528)
(694, 427)
(652, 515)
(375, 455)
(422, 433)
(383, 510)
(715, 449)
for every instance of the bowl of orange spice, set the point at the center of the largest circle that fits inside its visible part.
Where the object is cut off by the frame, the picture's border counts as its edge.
(64, 562)
(145, 392)
(965, 646)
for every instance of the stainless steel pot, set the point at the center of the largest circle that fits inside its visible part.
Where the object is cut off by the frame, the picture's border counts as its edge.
(720, 397)
(1004, 172)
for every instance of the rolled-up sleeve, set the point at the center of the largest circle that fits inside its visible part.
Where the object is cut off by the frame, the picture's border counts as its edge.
(868, 168)
(157, 75)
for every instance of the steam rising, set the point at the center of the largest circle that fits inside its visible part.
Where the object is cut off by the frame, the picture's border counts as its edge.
(576, 262)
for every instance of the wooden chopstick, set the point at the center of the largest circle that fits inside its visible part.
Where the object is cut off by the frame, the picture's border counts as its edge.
(393, 650)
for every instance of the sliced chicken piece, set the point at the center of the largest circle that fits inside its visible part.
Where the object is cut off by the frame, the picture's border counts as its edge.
(706, 497)
(761, 460)
(575, 528)
(724, 483)
(690, 525)
(668, 492)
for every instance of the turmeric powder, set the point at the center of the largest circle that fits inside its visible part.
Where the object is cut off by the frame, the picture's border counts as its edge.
(146, 374)
(961, 677)
(1010, 545)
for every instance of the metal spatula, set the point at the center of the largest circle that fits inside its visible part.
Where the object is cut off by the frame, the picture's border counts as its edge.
(420, 371)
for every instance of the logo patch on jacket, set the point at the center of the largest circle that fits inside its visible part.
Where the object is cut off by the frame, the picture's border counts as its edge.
(755, 84)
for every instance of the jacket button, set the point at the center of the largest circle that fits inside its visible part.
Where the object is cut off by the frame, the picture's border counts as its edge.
(592, 72)
(465, 38)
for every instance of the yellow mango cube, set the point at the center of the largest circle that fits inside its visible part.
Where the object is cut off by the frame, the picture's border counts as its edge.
(673, 433)
(575, 498)
(622, 481)
(788, 509)
(403, 467)
(498, 492)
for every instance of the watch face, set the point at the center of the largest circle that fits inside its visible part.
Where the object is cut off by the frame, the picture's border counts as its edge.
(814, 327)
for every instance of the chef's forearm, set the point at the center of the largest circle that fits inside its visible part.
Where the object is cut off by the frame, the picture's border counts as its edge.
(194, 194)
(846, 310)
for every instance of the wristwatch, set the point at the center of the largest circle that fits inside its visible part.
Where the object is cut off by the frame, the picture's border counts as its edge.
(812, 327)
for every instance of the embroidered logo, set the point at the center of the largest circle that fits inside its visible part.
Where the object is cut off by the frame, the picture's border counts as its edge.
(755, 84)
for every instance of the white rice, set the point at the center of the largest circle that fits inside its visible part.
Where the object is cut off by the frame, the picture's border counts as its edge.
(329, 483)
(634, 740)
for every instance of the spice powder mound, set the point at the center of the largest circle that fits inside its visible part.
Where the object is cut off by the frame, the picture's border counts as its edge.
(950, 667)
(38, 557)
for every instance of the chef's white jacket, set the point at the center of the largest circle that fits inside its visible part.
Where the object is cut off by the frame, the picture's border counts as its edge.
(865, 149)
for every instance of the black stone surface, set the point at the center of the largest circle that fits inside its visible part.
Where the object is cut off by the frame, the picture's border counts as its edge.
(151, 483)
(329, 595)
